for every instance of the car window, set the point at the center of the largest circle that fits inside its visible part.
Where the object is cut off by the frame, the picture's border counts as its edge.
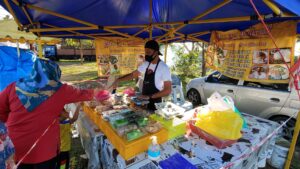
(269, 86)
(217, 77)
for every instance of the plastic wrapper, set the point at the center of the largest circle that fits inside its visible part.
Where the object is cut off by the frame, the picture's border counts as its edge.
(102, 108)
(153, 127)
(169, 110)
(176, 161)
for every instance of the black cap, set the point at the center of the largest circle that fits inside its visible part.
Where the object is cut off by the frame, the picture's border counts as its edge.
(152, 44)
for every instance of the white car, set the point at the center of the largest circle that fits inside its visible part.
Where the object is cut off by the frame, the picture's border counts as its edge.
(276, 102)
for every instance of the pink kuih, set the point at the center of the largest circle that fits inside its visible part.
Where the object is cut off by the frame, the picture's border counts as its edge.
(130, 92)
(103, 95)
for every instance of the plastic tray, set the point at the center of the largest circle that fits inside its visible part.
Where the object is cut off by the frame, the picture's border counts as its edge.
(176, 127)
(127, 149)
(211, 139)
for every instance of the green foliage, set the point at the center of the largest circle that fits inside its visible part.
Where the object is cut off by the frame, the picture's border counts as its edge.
(187, 65)
(75, 43)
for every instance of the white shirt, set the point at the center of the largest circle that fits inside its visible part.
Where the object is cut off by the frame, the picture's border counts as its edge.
(162, 74)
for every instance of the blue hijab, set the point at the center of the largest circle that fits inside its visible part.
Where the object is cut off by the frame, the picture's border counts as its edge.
(42, 83)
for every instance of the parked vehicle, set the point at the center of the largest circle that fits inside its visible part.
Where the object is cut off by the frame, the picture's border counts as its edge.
(276, 102)
(50, 52)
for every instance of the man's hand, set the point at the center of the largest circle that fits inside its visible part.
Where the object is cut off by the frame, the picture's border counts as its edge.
(143, 97)
(114, 85)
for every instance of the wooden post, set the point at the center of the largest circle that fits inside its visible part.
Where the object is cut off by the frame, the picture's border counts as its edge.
(293, 144)
(166, 52)
(40, 48)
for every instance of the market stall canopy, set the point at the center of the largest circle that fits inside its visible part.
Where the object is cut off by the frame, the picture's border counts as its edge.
(9, 32)
(163, 20)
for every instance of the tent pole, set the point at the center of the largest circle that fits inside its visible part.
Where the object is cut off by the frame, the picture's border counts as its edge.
(181, 34)
(276, 10)
(11, 11)
(225, 2)
(63, 29)
(29, 18)
(81, 52)
(166, 40)
(81, 34)
(150, 19)
(40, 48)
(166, 52)
(141, 31)
(293, 144)
(218, 20)
(199, 33)
(273, 7)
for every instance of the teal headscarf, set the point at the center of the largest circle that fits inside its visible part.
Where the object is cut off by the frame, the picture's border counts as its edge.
(42, 83)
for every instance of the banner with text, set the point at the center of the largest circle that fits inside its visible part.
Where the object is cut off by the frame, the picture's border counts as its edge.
(117, 56)
(251, 55)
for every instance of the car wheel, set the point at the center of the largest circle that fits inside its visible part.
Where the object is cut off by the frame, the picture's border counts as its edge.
(288, 128)
(194, 97)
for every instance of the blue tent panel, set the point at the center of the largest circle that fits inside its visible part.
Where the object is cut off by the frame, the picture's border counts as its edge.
(13, 67)
(133, 12)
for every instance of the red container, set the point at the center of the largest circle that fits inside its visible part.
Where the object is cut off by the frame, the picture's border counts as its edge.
(211, 139)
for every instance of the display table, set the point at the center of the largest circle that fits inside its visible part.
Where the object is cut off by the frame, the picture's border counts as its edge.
(200, 153)
(90, 139)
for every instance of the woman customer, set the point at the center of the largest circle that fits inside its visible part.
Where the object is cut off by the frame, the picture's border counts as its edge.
(32, 105)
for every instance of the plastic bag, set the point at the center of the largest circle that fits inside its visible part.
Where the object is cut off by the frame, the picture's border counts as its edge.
(219, 119)
(103, 95)
(216, 103)
(225, 125)
(129, 91)
(229, 101)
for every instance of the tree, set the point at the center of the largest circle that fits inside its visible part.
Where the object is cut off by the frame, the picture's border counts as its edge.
(76, 43)
(187, 64)
(7, 17)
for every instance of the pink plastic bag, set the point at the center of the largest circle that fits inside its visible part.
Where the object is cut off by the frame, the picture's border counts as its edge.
(103, 95)
(129, 91)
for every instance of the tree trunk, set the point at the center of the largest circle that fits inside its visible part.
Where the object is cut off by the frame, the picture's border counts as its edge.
(81, 53)
(203, 60)
(186, 47)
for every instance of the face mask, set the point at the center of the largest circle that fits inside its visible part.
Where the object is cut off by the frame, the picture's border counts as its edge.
(149, 58)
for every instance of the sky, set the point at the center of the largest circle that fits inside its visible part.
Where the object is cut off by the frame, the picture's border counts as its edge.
(3, 12)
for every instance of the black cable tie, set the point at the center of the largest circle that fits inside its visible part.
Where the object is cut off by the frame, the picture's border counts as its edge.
(185, 36)
(186, 22)
(254, 17)
(21, 3)
(100, 27)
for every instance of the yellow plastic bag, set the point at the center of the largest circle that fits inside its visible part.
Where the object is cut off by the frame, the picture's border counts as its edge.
(225, 125)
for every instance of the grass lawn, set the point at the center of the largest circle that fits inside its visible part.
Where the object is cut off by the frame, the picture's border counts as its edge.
(74, 72)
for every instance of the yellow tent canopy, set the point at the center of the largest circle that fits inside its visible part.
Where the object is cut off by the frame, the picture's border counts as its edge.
(9, 32)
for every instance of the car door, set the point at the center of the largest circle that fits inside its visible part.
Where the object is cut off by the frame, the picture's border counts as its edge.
(261, 99)
(217, 82)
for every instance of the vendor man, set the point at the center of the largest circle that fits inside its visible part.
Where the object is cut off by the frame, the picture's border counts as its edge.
(157, 76)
